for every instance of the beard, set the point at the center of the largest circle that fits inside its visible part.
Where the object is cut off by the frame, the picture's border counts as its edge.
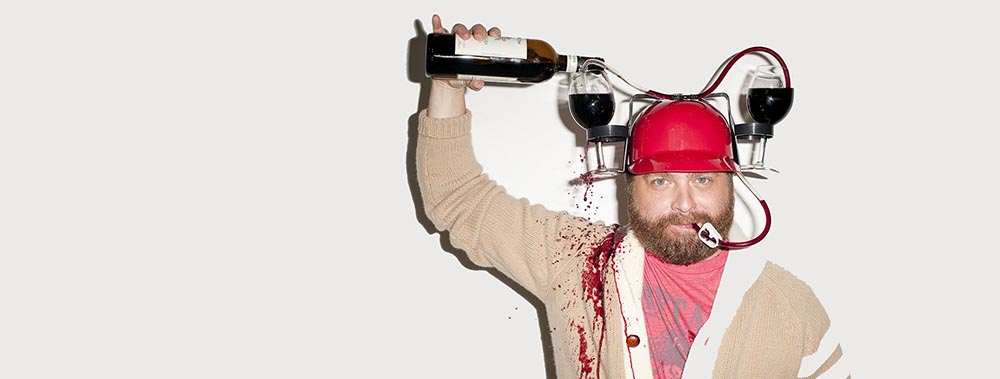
(678, 246)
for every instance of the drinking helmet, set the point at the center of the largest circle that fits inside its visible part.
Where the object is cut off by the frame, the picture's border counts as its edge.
(680, 136)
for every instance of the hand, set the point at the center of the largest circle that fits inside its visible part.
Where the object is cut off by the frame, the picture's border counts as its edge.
(478, 32)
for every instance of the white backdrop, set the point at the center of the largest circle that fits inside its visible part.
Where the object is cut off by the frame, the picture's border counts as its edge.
(218, 188)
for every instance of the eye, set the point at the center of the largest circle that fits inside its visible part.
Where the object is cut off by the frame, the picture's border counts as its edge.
(659, 182)
(703, 180)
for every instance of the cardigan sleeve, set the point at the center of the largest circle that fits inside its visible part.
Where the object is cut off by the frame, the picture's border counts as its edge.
(827, 360)
(822, 355)
(522, 240)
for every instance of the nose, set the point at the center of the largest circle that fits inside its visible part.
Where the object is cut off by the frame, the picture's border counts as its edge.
(683, 201)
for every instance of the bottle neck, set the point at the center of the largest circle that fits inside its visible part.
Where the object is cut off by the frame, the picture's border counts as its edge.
(572, 63)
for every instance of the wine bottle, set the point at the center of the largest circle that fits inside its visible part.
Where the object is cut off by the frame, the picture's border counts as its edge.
(496, 59)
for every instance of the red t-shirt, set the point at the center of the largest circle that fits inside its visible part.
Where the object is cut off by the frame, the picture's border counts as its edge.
(676, 301)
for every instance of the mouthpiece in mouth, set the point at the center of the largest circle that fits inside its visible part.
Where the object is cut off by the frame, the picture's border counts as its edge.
(708, 235)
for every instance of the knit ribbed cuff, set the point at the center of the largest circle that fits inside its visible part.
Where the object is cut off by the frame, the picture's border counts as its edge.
(444, 127)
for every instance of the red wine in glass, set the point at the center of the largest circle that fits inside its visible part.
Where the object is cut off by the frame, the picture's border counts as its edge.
(590, 110)
(769, 105)
(592, 103)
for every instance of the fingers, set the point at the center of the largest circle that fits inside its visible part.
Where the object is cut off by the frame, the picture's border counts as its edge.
(479, 32)
(457, 84)
(461, 31)
(436, 24)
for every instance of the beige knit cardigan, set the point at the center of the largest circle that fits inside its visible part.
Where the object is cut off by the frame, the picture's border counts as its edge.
(777, 331)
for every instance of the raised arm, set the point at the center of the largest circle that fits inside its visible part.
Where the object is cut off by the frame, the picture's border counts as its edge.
(495, 229)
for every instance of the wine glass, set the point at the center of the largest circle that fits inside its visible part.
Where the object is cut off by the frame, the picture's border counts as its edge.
(768, 101)
(590, 98)
(592, 104)
(767, 98)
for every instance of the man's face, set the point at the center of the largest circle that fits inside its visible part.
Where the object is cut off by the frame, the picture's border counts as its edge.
(662, 206)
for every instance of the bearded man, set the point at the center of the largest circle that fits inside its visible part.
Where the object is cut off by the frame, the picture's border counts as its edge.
(646, 300)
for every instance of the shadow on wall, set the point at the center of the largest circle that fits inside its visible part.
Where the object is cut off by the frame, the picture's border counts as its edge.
(415, 73)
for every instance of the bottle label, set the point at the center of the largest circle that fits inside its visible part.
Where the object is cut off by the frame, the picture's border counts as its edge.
(494, 79)
(503, 47)
(571, 63)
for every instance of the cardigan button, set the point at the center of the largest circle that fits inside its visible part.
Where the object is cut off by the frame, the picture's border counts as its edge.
(632, 340)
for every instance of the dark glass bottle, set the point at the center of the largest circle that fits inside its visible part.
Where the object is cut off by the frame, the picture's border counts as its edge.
(496, 59)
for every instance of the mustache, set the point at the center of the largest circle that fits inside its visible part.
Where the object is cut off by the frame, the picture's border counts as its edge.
(699, 218)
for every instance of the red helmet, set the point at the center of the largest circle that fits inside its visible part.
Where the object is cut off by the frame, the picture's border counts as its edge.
(680, 136)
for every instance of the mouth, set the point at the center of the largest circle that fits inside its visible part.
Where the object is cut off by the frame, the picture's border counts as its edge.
(683, 227)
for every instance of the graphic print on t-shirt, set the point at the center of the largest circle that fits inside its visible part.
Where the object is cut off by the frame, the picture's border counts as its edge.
(676, 302)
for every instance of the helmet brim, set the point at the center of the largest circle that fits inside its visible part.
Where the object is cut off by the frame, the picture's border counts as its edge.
(691, 161)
